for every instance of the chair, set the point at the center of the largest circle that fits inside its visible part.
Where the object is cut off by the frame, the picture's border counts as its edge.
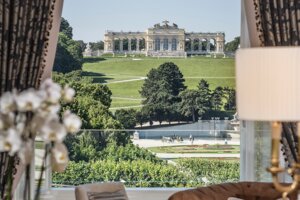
(101, 191)
(242, 190)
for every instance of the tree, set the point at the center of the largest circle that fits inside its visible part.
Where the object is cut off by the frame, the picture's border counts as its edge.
(91, 103)
(99, 45)
(204, 96)
(126, 117)
(68, 55)
(96, 91)
(217, 99)
(141, 117)
(161, 91)
(66, 28)
(82, 45)
(189, 105)
(233, 45)
(230, 96)
(172, 77)
(69, 52)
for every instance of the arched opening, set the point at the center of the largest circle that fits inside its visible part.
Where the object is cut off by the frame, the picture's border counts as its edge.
(212, 44)
(165, 44)
(204, 44)
(133, 44)
(125, 45)
(117, 44)
(142, 45)
(174, 44)
(196, 45)
(188, 45)
(157, 44)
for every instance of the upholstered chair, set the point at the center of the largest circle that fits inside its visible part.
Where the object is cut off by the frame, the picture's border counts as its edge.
(241, 190)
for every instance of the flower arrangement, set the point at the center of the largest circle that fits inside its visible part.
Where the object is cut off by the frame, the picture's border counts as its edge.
(34, 114)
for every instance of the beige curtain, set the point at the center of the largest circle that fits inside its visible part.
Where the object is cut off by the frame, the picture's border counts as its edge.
(278, 24)
(24, 37)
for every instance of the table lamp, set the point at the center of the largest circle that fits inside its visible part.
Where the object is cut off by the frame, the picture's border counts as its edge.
(268, 89)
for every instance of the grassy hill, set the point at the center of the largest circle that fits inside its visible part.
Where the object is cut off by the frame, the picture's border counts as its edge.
(125, 76)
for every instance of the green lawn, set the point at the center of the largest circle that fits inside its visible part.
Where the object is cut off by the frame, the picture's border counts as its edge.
(218, 72)
(219, 149)
(122, 102)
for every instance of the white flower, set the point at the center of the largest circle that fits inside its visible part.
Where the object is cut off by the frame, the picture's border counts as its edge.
(20, 127)
(41, 119)
(53, 131)
(205, 180)
(10, 141)
(52, 89)
(68, 93)
(53, 109)
(59, 157)
(21, 117)
(47, 109)
(7, 102)
(72, 122)
(28, 100)
(42, 94)
(2, 125)
(26, 152)
(54, 96)
(36, 123)
(7, 120)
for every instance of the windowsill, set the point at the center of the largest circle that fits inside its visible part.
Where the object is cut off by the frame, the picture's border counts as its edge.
(133, 193)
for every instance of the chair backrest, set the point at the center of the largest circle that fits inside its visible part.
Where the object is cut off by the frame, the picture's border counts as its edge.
(242, 190)
(101, 191)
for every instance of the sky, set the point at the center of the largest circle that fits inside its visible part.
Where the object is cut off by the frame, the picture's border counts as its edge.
(91, 18)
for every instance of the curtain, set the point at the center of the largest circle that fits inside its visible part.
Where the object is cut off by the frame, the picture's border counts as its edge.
(278, 24)
(24, 37)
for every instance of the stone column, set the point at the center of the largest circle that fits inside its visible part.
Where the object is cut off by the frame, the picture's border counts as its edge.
(113, 45)
(105, 46)
(129, 44)
(121, 45)
(208, 45)
(222, 45)
(137, 44)
(218, 47)
(182, 45)
(200, 45)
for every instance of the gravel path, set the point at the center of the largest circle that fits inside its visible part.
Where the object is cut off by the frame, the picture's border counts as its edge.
(196, 155)
(158, 143)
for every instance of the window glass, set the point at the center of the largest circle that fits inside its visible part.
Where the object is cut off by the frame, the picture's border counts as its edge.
(157, 100)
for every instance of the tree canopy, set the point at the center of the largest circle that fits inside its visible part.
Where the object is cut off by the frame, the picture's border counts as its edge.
(233, 45)
(161, 91)
(91, 103)
(99, 45)
(126, 117)
(69, 52)
(66, 28)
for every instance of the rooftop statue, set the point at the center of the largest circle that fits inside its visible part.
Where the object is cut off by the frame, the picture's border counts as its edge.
(157, 25)
(166, 23)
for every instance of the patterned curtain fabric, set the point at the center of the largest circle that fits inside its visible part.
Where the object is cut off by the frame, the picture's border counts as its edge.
(278, 24)
(24, 33)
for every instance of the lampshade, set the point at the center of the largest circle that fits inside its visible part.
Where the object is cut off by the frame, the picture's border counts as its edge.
(268, 83)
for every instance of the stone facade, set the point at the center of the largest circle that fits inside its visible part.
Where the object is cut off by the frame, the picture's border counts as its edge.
(164, 41)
